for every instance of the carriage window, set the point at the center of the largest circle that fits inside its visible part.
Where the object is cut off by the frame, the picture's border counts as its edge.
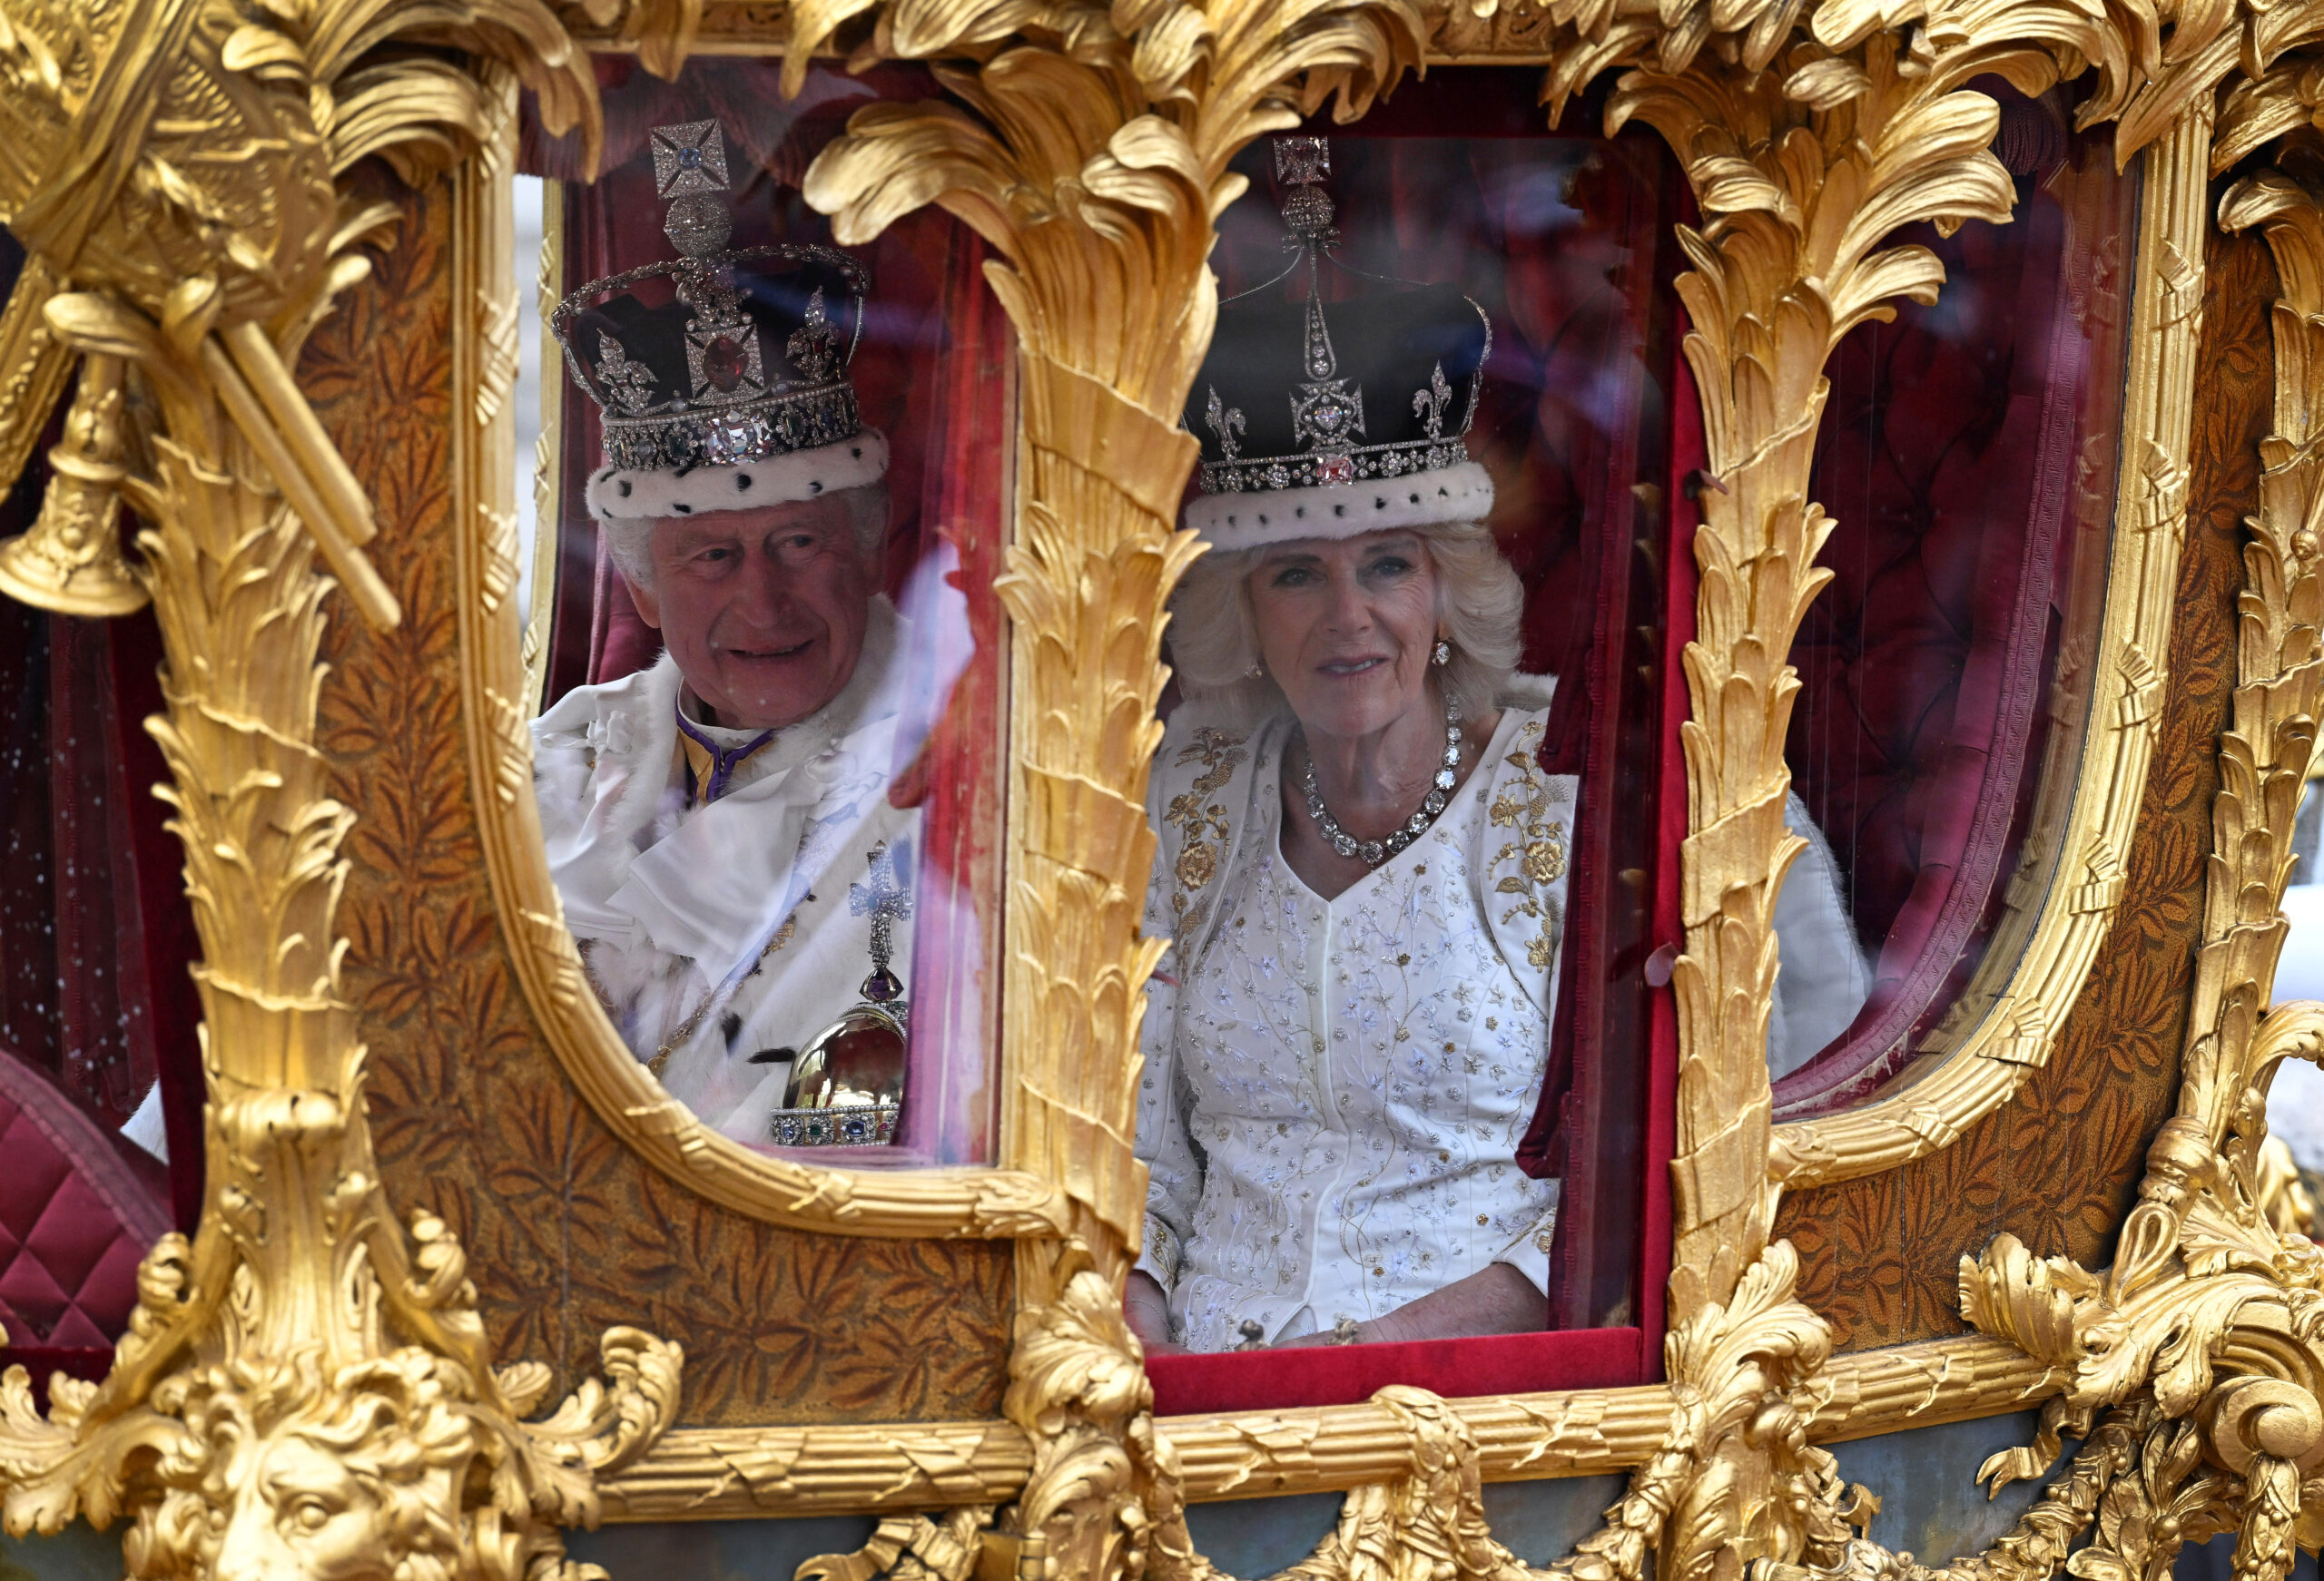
(1968, 452)
(1396, 1065)
(767, 755)
(1419, 801)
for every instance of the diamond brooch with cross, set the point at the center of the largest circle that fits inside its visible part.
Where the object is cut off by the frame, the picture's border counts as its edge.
(1326, 413)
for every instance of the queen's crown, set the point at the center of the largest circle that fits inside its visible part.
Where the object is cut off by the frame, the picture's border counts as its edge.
(1301, 394)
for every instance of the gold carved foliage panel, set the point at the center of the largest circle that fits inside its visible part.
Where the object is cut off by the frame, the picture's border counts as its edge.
(363, 1104)
(568, 1232)
(2059, 1165)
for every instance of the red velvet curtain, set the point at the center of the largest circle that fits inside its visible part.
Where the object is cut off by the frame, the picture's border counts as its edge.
(97, 1004)
(95, 933)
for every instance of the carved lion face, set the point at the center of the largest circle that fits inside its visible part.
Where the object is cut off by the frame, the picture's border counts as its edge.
(305, 1514)
(362, 1482)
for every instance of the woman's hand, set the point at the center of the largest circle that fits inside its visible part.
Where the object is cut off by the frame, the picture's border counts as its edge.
(1148, 1311)
(1496, 1300)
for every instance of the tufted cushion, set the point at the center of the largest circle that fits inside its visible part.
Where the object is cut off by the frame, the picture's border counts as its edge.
(1947, 452)
(75, 1218)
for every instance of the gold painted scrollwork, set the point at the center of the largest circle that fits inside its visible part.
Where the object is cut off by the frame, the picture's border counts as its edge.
(1095, 175)
(306, 1383)
(307, 1342)
(2194, 1365)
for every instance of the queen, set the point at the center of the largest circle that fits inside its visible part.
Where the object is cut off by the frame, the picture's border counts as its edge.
(1362, 864)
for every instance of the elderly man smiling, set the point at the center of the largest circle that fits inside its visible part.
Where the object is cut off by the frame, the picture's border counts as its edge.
(718, 824)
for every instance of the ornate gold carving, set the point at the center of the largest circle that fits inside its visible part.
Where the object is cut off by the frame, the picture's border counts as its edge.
(34, 366)
(2200, 1345)
(306, 1383)
(697, 1473)
(912, 1547)
(694, 1472)
(71, 560)
(2285, 1201)
(1095, 176)
(549, 460)
(495, 672)
(1095, 170)
(1994, 1057)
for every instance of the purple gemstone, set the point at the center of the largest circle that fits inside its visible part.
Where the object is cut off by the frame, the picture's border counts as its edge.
(882, 986)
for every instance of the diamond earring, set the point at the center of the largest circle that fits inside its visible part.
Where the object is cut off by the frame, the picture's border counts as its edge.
(1254, 671)
(1443, 655)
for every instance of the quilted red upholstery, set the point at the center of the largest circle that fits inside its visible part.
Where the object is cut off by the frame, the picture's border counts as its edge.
(1948, 448)
(75, 1218)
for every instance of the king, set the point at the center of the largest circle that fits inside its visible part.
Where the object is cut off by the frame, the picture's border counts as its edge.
(716, 823)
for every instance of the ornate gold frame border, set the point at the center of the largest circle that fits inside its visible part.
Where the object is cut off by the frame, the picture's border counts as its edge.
(1941, 1099)
(1094, 172)
(719, 1474)
(549, 456)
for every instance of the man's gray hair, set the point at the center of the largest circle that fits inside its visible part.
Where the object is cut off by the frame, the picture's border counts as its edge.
(1479, 607)
(630, 539)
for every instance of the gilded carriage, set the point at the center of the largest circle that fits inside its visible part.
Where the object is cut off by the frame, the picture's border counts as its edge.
(1896, 434)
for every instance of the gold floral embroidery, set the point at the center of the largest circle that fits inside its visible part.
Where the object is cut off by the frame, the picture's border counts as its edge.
(1201, 821)
(1539, 858)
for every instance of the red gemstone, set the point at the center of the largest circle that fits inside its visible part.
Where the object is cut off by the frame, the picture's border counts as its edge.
(722, 363)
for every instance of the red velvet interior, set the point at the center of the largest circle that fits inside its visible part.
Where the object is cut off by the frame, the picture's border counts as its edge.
(1315, 1375)
(1948, 450)
(96, 1003)
(75, 1216)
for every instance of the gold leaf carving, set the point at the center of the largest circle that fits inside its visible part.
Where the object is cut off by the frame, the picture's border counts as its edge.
(2198, 1349)
(304, 1337)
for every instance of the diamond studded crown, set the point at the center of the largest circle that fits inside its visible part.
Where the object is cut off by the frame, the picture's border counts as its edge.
(715, 357)
(1307, 394)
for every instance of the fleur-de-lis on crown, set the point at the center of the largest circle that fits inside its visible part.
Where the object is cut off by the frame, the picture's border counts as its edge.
(1432, 401)
(1226, 422)
(629, 384)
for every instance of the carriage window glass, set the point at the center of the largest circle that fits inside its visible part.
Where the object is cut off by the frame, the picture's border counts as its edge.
(1395, 1063)
(1968, 452)
(772, 717)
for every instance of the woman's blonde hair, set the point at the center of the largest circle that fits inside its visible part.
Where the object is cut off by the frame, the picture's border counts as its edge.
(1479, 607)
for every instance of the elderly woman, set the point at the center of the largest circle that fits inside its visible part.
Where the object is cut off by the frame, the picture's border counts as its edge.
(1363, 865)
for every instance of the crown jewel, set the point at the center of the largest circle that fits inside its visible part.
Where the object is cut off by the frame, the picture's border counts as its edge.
(1288, 380)
(745, 358)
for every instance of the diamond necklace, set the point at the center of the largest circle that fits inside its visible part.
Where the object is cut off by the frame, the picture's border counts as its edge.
(1375, 851)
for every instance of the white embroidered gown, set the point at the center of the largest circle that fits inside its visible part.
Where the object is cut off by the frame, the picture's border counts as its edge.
(1334, 1091)
(1334, 1096)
